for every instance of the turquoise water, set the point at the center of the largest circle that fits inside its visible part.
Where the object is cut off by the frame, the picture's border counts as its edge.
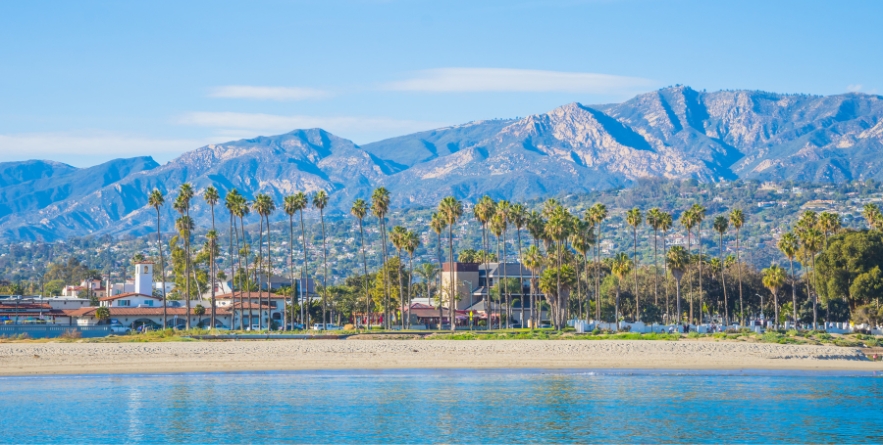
(451, 406)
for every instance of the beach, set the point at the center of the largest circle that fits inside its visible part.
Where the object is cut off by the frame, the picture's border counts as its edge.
(279, 355)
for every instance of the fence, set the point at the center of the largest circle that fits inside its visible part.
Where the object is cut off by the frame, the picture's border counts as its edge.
(51, 331)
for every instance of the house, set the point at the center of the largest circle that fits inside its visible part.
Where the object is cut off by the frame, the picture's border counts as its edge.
(254, 300)
(17, 312)
(473, 280)
(142, 294)
(152, 317)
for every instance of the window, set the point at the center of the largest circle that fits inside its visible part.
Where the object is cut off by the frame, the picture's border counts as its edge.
(274, 304)
(146, 269)
(123, 303)
(148, 302)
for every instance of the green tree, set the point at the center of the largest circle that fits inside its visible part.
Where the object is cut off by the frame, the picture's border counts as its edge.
(737, 220)
(211, 198)
(620, 267)
(596, 216)
(185, 228)
(360, 211)
(380, 207)
(102, 314)
(156, 200)
(320, 201)
(634, 219)
(774, 279)
(451, 210)
(721, 224)
(789, 246)
(677, 259)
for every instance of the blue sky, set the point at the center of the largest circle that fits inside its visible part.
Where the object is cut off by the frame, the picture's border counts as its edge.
(83, 82)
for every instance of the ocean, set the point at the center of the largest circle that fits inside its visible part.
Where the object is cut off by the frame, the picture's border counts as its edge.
(445, 406)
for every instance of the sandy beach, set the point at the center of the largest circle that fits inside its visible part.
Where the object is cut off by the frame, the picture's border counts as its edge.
(122, 358)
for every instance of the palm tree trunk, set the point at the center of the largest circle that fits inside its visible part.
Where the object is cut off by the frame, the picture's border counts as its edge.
(401, 304)
(187, 275)
(162, 268)
(598, 275)
(520, 279)
(505, 287)
(325, 268)
(269, 278)
(616, 307)
(245, 274)
(365, 272)
(665, 284)
(724, 281)
(690, 251)
(453, 290)
(438, 256)
(257, 266)
(290, 271)
(793, 292)
(637, 299)
(212, 268)
(739, 266)
(655, 267)
(410, 277)
(699, 245)
(305, 273)
(386, 320)
(558, 288)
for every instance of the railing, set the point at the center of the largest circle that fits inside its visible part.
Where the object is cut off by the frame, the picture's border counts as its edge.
(52, 331)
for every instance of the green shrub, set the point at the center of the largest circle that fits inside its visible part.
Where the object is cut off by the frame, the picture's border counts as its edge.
(771, 337)
(694, 334)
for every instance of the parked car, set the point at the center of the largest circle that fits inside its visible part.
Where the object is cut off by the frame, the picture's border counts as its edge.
(119, 329)
(326, 327)
(295, 327)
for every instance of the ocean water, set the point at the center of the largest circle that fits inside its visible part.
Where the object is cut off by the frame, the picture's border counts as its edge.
(444, 406)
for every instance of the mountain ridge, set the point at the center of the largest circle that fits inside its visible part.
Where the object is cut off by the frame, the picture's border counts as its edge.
(675, 132)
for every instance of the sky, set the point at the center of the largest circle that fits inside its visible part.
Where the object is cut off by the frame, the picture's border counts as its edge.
(88, 81)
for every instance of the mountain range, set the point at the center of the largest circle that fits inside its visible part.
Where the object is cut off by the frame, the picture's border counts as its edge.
(675, 132)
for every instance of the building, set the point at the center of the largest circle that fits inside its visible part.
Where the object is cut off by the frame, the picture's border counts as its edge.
(246, 302)
(24, 312)
(85, 289)
(473, 280)
(152, 317)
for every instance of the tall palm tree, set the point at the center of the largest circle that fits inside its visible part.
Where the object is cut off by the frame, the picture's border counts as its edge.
(380, 207)
(829, 223)
(411, 243)
(533, 261)
(503, 208)
(558, 228)
(211, 198)
(429, 273)
(231, 202)
(677, 259)
(320, 200)
(518, 215)
(397, 238)
(184, 226)
(789, 245)
(269, 207)
(699, 214)
(688, 221)
(451, 210)
(811, 244)
(596, 215)
(483, 211)
(182, 205)
(581, 242)
(654, 217)
(872, 215)
(156, 200)
(620, 267)
(360, 211)
(737, 220)
(721, 224)
(437, 224)
(496, 228)
(634, 218)
(773, 279)
(289, 206)
(243, 209)
(665, 224)
(259, 207)
(299, 203)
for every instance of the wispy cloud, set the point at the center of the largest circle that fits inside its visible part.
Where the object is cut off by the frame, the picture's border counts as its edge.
(267, 93)
(231, 123)
(854, 88)
(86, 149)
(517, 80)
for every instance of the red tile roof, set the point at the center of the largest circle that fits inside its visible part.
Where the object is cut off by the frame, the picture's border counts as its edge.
(238, 295)
(127, 294)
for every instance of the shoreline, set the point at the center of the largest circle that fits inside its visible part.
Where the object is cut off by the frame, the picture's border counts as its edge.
(32, 359)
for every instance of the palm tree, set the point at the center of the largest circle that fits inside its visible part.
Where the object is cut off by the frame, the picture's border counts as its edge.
(677, 259)
(699, 214)
(811, 244)
(518, 215)
(397, 238)
(634, 219)
(654, 217)
(102, 314)
(267, 207)
(299, 203)
(872, 215)
(156, 201)
(737, 219)
(580, 240)
(437, 224)
(596, 215)
(620, 267)
(211, 198)
(665, 224)
(451, 210)
(773, 279)
(721, 224)
(320, 200)
(184, 226)
(483, 211)
(289, 207)
(380, 207)
(503, 208)
(182, 205)
(789, 245)
(360, 211)
(242, 210)
(411, 243)
(533, 261)
(231, 202)
(429, 273)
(259, 207)
(688, 220)
(558, 228)
(829, 223)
